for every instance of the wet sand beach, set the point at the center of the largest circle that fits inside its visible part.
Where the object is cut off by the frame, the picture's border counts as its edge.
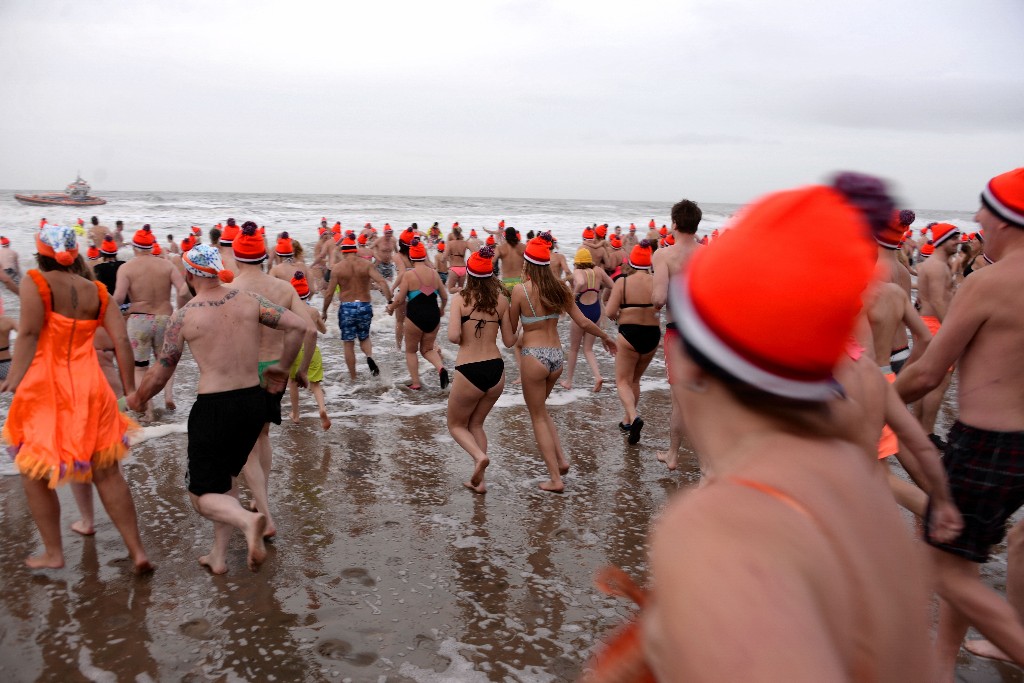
(384, 567)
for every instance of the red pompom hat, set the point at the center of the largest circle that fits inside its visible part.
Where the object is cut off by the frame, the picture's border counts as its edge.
(93, 253)
(362, 240)
(481, 263)
(156, 249)
(248, 246)
(1004, 196)
(417, 251)
(196, 231)
(108, 247)
(4, 242)
(227, 237)
(942, 232)
(927, 250)
(490, 240)
(440, 247)
(780, 330)
(472, 232)
(407, 236)
(284, 248)
(187, 244)
(538, 251)
(601, 230)
(300, 285)
(348, 245)
(891, 236)
(144, 238)
(640, 256)
(589, 234)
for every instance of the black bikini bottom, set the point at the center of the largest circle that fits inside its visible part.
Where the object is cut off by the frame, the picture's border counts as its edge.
(643, 338)
(483, 374)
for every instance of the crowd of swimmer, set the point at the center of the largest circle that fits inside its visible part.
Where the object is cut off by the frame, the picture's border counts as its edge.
(791, 384)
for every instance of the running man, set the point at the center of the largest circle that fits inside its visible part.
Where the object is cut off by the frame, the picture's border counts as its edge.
(230, 410)
(353, 275)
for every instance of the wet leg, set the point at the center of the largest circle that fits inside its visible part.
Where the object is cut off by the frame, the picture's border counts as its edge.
(117, 501)
(45, 509)
(595, 369)
(462, 401)
(675, 437)
(224, 508)
(535, 391)
(625, 365)
(83, 500)
(321, 404)
(293, 397)
(413, 335)
(575, 340)
(350, 358)
(255, 471)
(1014, 591)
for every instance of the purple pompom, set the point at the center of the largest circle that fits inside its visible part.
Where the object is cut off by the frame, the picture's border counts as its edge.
(486, 252)
(249, 228)
(907, 217)
(868, 194)
(299, 275)
(645, 244)
(283, 236)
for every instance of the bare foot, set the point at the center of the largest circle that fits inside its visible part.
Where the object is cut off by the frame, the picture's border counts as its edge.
(478, 471)
(670, 463)
(565, 384)
(45, 561)
(254, 537)
(552, 487)
(80, 527)
(295, 418)
(170, 405)
(325, 421)
(215, 566)
(480, 488)
(983, 648)
(563, 467)
(142, 566)
(598, 383)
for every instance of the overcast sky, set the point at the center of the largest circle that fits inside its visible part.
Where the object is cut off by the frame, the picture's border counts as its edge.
(718, 100)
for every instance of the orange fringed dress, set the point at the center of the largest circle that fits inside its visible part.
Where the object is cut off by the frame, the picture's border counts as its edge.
(64, 419)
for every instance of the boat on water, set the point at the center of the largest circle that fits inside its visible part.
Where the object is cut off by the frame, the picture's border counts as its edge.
(75, 194)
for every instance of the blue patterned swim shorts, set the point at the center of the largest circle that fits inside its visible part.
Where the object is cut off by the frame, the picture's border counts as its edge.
(354, 320)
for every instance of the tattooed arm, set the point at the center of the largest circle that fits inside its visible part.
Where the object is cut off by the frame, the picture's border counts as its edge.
(156, 377)
(294, 328)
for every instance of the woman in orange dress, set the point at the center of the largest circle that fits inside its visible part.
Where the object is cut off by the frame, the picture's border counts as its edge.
(63, 424)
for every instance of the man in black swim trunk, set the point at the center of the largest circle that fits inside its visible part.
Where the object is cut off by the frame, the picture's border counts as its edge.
(230, 411)
(983, 332)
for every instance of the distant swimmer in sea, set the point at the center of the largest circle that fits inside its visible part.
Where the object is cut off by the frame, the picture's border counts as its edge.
(420, 287)
(538, 302)
(666, 264)
(631, 305)
(789, 503)
(479, 311)
(231, 409)
(352, 276)
(588, 285)
(63, 423)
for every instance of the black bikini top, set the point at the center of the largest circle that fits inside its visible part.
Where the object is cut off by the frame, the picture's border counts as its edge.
(478, 328)
(624, 304)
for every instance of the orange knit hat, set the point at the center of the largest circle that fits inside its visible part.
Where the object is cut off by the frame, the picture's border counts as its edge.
(892, 234)
(481, 263)
(348, 245)
(440, 247)
(942, 232)
(363, 239)
(144, 238)
(156, 249)
(187, 244)
(640, 256)
(786, 334)
(601, 230)
(417, 251)
(927, 250)
(248, 246)
(490, 240)
(407, 236)
(615, 241)
(196, 231)
(538, 251)
(472, 232)
(227, 237)
(93, 253)
(284, 248)
(1004, 196)
(108, 247)
(589, 234)
(300, 285)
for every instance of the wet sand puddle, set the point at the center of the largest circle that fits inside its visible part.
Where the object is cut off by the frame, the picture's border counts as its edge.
(384, 567)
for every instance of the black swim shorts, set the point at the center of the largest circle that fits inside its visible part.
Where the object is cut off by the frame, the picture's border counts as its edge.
(986, 477)
(222, 430)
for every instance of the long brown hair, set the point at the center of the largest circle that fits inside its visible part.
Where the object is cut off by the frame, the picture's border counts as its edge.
(482, 293)
(554, 295)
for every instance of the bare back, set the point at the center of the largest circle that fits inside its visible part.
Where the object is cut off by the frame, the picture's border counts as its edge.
(147, 281)
(278, 292)
(935, 285)
(511, 259)
(457, 253)
(353, 274)
(885, 313)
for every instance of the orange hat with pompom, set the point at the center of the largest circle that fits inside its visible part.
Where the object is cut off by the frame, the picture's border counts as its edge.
(187, 244)
(538, 251)
(144, 238)
(58, 242)
(108, 247)
(640, 256)
(417, 251)
(481, 263)
(758, 334)
(927, 250)
(1004, 196)
(156, 249)
(615, 241)
(284, 248)
(227, 237)
(249, 246)
(943, 232)
(203, 260)
(589, 234)
(440, 246)
(300, 285)
(93, 254)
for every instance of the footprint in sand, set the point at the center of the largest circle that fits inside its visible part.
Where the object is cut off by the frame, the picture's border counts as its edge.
(196, 628)
(565, 534)
(359, 574)
(332, 648)
(361, 658)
